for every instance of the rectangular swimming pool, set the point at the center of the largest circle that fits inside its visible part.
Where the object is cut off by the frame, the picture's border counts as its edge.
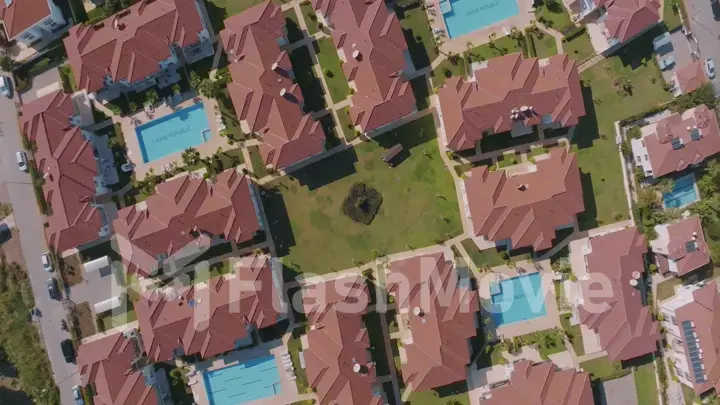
(465, 16)
(241, 383)
(682, 194)
(173, 133)
(517, 299)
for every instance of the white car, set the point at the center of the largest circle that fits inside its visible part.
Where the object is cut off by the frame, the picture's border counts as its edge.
(5, 87)
(77, 395)
(22, 161)
(710, 68)
(46, 262)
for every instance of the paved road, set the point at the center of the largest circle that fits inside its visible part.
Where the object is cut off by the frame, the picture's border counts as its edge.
(706, 30)
(28, 220)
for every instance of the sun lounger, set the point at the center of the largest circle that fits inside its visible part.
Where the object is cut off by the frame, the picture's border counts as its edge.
(291, 378)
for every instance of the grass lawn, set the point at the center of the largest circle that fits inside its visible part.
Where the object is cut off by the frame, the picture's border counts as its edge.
(346, 124)
(67, 78)
(689, 395)
(666, 289)
(332, 70)
(671, 17)
(601, 367)
(304, 209)
(572, 331)
(548, 342)
(501, 46)
(545, 44)
(294, 347)
(309, 17)
(108, 320)
(311, 86)
(416, 27)
(554, 16)
(258, 167)
(645, 384)
(579, 48)
(294, 31)
(507, 160)
(446, 70)
(455, 394)
(595, 135)
(489, 257)
(219, 10)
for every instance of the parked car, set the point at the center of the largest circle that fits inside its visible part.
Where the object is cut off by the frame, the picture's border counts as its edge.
(710, 68)
(52, 287)
(77, 395)
(666, 63)
(68, 350)
(5, 88)
(46, 262)
(22, 161)
(5, 233)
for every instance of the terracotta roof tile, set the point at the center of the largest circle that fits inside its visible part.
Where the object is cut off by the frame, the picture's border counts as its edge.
(684, 243)
(525, 208)
(626, 18)
(261, 71)
(22, 14)
(691, 76)
(550, 86)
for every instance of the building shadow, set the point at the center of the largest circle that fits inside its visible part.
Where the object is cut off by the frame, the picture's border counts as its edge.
(588, 218)
(279, 220)
(640, 50)
(312, 90)
(327, 170)
(586, 132)
(413, 134)
(415, 44)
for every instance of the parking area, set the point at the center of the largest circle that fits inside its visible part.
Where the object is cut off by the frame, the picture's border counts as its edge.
(677, 49)
(42, 85)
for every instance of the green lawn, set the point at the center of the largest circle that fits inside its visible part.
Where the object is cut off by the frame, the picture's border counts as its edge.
(292, 25)
(595, 135)
(507, 160)
(689, 395)
(548, 342)
(332, 70)
(554, 16)
(488, 257)
(346, 124)
(108, 320)
(645, 384)
(311, 86)
(670, 16)
(309, 17)
(304, 209)
(418, 36)
(67, 78)
(545, 44)
(219, 10)
(601, 367)
(294, 346)
(452, 395)
(256, 161)
(572, 331)
(446, 70)
(579, 48)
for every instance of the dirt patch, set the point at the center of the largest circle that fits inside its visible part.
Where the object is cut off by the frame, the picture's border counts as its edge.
(83, 320)
(72, 268)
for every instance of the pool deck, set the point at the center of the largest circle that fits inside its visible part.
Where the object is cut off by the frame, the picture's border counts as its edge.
(128, 124)
(481, 36)
(288, 392)
(550, 320)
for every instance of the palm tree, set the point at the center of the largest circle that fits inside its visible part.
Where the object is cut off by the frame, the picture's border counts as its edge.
(190, 157)
(152, 96)
(491, 39)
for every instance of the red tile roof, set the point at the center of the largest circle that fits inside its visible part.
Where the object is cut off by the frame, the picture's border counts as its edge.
(131, 44)
(262, 89)
(65, 158)
(338, 341)
(686, 258)
(704, 311)
(543, 384)
(550, 86)
(209, 319)
(370, 37)
(526, 208)
(440, 352)
(664, 159)
(626, 18)
(22, 14)
(107, 363)
(691, 76)
(625, 326)
(180, 209)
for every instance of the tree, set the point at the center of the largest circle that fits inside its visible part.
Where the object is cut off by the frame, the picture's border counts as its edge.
(176, 89)
(194, 80)
(132, 106)
(648, 198)
(707, 186)
(190, 157)
(704, 94)
(152, 96)
(704, 210)
(634, 132)
(208, 88)
(491, 39)
(665, 185)
(6, 63)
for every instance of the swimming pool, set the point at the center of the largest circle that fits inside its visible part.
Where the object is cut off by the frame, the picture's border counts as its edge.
(241, 383)
(517, 299)
(173, 133)
(465, 16)
(682, 194)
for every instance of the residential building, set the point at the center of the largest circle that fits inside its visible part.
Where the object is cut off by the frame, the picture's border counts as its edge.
(213, 317)
(118, 370)
(31, 21)
(689, 78)
(618, 318)
(680, 247)
(76, 166)
(509, 93)
(524, 207)
(138, 48)
(677, 142)
(691, 319)
(437, 314)
(612, 24)
(267, 100)
(336, 347)
(375, 60)
(541, 384)
(186, 216)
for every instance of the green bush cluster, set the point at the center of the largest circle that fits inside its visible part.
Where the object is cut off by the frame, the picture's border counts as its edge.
(572, 33)
(362, 203)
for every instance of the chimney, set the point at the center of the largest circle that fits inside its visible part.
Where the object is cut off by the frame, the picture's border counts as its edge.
(522, 187)
(360, 369)
(283, 91)
(694, 235)
(274, 66)
(417, 311)
(633, 282)
(356, 54)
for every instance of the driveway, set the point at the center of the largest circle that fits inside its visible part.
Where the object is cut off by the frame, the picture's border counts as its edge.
(621, 391)
(42, 85)
(706, 29)
(680, 49)
(32, 239)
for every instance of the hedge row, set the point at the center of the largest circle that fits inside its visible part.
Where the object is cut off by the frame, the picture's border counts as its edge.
(572, 33)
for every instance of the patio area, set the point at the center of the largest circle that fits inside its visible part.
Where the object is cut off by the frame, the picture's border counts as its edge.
(207, 148)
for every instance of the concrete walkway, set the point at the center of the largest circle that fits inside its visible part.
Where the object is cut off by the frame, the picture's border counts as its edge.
(590, 63)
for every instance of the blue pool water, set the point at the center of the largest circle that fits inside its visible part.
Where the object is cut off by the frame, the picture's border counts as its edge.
(682, 194)
(173, 133)
(465, 16)
(517, 299)
(241, 383)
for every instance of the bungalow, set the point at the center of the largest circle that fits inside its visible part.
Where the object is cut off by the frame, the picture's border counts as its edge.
(680, 247)
(689, 78)
(31, 21)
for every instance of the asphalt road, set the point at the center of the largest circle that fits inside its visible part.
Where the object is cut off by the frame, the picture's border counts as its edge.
(706, 29)
(28, 220)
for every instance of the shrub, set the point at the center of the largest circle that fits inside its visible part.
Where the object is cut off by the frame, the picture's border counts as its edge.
(572, 33)
(634, 132)
(530, 46)
(362, 203)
